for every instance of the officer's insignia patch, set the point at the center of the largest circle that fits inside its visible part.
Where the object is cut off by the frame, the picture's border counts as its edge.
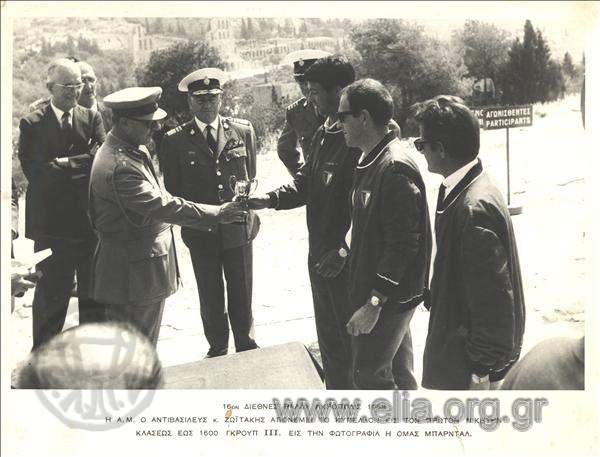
(327, 177)
(301, 62)
(365, 197)
(206, 81)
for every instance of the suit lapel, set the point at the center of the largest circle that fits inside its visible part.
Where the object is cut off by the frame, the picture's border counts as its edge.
(224, 133)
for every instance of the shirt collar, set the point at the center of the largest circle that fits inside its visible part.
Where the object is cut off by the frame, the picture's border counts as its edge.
(214, 124)
(59, 113)
(452, 180)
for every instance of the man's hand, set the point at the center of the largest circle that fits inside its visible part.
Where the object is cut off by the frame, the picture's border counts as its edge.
(21, 278)
(363, 320)
(330, 264)
(260, 202)
(232, 212)
(482, 385)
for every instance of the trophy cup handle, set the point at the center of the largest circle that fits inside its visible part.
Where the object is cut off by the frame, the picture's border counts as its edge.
(253, 185)
(232, 181)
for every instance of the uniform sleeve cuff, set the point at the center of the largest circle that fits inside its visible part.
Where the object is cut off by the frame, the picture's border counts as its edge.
(479, 369)
(274, 200)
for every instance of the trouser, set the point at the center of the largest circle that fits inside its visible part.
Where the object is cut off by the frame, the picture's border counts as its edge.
(145, 318)
(209, 268)
(53, 289)
(383, 359)
(331, 305)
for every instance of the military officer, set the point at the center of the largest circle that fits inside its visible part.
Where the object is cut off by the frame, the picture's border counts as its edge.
(134, 267)
(201, 159)
(301, 117)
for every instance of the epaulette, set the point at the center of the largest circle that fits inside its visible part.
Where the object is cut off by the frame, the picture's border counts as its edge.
(121, 158)
(296, 103)
(179, 128)
(237, 120)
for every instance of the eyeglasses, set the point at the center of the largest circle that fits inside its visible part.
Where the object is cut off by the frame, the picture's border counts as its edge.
(70, 86)
(420, 144)
(341, 115)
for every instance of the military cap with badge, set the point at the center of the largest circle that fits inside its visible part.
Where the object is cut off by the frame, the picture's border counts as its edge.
(204, 81)
(302, 59)
(136, 103)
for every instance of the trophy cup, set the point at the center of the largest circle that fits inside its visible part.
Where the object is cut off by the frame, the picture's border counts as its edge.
(242, 188)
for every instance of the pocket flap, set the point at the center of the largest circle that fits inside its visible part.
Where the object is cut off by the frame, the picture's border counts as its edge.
(149, 247)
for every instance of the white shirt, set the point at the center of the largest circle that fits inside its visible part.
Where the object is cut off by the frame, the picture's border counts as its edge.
(59, 114)
(214, 124)
(451, 181)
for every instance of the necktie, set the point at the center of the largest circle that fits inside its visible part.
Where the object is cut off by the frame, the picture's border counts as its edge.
(210, 140)
(441, 195)
(65, 125)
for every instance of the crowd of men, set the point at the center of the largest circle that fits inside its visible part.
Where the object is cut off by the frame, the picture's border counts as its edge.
(96, 200)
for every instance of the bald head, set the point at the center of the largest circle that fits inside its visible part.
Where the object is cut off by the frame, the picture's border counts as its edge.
(64, 83)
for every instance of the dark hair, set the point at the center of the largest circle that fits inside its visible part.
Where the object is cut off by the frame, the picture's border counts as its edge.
(331, 71)
(371, 95)
(447, 119)
(46, 367)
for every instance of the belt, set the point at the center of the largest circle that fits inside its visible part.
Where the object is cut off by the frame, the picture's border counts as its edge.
(134, 233)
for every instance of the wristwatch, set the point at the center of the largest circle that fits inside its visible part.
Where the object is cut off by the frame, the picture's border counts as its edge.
(475, 379)
(343, 253)
(374, 301)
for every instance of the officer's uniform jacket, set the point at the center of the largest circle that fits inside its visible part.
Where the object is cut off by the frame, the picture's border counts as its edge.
(191, 172)
(135, 260)
(301, 123)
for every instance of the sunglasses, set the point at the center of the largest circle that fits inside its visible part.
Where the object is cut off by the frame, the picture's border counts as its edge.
(341, 115)
(70, 86)
(420, 144)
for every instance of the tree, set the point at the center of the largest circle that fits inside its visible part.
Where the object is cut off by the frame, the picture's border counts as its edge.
(167, 67)
(484, 48)
(158, 25)
(567, 65)
(243, 30)
(250, 29)
(413, 66)
(530, 75)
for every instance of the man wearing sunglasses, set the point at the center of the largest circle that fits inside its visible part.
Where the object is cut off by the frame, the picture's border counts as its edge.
(301, 117)
(56, 144)
(477, 305)
(135, 266)
(323, 185)
(390, 241)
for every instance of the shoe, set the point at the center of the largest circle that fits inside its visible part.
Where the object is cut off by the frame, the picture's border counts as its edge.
(215, 353)
(248, 348)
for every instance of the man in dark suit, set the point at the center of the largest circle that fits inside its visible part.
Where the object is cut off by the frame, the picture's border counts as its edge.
(200, 160)
(301, 117)
(56, 144)
(477, 302)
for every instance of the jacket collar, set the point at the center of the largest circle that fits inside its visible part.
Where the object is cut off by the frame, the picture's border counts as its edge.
(472, 175)
(372, 156)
